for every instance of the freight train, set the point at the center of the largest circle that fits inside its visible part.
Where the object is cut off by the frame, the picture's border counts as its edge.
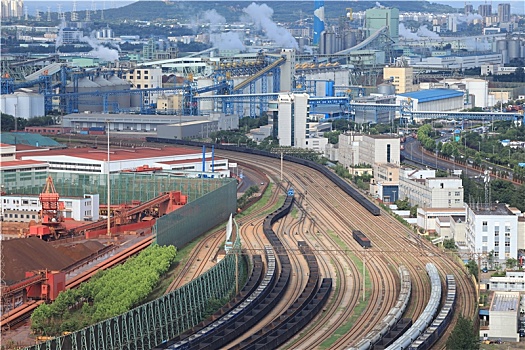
(361, 239)
(341, 183)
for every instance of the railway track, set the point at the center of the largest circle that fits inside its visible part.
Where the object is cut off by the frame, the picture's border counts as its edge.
(393, 242)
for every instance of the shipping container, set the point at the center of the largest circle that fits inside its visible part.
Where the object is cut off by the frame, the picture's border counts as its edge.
(97, 128)
(83, 132)
(361, 239)
(97, 132)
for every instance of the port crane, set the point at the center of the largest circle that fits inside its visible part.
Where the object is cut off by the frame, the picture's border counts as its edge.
(51, 226)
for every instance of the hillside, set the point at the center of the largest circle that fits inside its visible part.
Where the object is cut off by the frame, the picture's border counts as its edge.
(284, 11)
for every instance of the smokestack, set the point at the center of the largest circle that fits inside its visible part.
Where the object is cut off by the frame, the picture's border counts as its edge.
(318, 20)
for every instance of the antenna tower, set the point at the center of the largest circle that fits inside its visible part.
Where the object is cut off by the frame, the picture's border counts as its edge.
(88, 16)
(37, 15)
(74, 14)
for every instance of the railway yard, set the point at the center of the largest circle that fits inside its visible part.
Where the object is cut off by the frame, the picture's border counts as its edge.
(315, 245)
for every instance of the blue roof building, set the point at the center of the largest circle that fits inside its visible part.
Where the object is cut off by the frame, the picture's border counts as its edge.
(435, 100)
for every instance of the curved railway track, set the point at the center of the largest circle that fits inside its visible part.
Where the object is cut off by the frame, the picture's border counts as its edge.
(392, 242)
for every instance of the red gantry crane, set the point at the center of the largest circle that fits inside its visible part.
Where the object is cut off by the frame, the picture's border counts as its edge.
(51, 217)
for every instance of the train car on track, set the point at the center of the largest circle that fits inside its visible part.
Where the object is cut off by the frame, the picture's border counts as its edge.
(361, 239)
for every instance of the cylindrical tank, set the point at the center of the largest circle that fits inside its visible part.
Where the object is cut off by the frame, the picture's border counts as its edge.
(37, 105)
(329, 88)
(501, 45)
(91, 103)
(105, 86)
(23, 105)
(505, 56)
(350, 39)
(121, 85)
(513, 47)
(8, 103)
(386, 89)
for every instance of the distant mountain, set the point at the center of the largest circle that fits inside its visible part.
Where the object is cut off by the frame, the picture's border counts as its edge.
(283, 11)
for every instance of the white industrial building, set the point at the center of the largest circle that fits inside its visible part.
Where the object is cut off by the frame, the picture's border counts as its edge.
(15, 173)
(433, 100)
(423, 189)
(359, 149)
(145, 78)
(492, 227)
(95, 161)
(25, 208)
(514, 281)
(426, 217)
(478, 88)
(503, 319)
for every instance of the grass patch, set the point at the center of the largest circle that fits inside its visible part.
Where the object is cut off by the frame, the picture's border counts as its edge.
(294, 213)
(360, 306)
(261, 202)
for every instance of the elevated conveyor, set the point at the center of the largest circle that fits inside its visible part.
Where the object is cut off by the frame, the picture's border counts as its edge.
(260, 73)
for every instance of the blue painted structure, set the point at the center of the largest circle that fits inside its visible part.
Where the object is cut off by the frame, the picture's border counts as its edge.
(318, 20)
(432, 94)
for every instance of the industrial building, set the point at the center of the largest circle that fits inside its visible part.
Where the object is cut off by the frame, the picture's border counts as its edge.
(503, 318)
(492, 227)
(426, 217)
(377, 18)
(401, 77)
(434, 100)
(359, 149)
(22, 173)
(385, 184)
(26, 208)
(423, 189)
(142, 123)
(92, 161)
(514, 281)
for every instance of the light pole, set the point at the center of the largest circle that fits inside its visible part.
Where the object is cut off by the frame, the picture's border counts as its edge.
(394, 192)
(109, 185)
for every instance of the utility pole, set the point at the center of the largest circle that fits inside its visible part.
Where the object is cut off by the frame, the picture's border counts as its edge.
(109, 185)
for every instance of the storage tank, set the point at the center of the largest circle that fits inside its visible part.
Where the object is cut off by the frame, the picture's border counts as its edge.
(23, 105)
(513, 47)
(350, 39)
(120, 85)
(105, 86)
(37, 105)
(92, 103)
(7, 104)
(501, 45)
(386, 89)
(505, 56)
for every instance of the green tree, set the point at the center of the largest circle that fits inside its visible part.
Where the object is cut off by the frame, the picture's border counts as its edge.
(464, 336)
(472, 267)
(511, 263)
(449, 244)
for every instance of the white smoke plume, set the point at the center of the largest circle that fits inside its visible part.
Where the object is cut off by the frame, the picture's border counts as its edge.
(406, 33)
(423, 31)
(261, 15)
(60, 37)
(378, 5)
(100, 51)
(472, 44)
(468, 18)
(227, 41)
(220, 39)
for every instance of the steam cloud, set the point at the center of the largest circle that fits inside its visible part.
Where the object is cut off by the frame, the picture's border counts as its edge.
(98, 50)
(261, 15)
(422, 32)
(468, 18)
(222, 40)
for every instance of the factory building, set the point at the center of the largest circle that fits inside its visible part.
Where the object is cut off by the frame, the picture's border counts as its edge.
(199, 129)
(375, 115)
(94, 161)
(378, 18)
(26, 208)
(359, 149)
(492, 227)
(434, 100)
(401, 77)
(385, 184)
(503, 318)
(19, 173)
(424, 189)
(145, 78)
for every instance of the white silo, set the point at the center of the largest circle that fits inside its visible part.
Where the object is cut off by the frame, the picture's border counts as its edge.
(23, 105)
(9, 104)
(37, 105)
